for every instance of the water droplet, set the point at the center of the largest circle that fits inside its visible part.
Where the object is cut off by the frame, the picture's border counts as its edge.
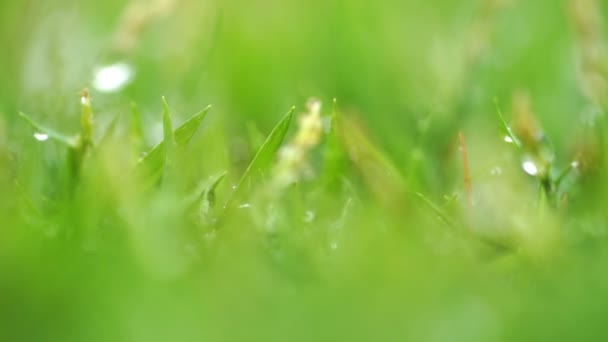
(575, 164)
(245, 206)
(496, 171)
(112, 78)
(508, 139)
(309, 216)
(41, 136)
(529, 167)
(333, 246)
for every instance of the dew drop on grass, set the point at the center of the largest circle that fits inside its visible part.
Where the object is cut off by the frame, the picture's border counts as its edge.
(333, 246)
(529, 167)
(496, 171)
(245, 206)
(41, 136)
(508, 139)
(113, 77)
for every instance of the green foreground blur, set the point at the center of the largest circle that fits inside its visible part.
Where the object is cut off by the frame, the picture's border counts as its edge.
(440, 177)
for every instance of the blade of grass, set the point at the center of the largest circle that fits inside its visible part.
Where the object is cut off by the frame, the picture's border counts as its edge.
(210, 192)
(460, 229)
(66, 140)
(440, 213)
(86, 122)
(564, 173)
(136, 131)
(265, 155)
(168, 135)
(84, 143)
(507, 129)
(110, 131)
(378, 171)
(186, 131)
(205, 204)
(335, 156)
(182, 135)
(204, 194)
(154, 162)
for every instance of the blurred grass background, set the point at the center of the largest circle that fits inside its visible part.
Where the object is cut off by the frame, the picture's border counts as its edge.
(413, 73)
(395, 63)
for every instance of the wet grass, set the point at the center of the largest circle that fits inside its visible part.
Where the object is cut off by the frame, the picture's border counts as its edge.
(444, 185)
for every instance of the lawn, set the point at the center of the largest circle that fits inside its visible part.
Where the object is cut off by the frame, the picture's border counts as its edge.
(185, 170)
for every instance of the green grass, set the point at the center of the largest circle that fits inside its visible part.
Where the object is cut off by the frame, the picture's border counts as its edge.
(146, 214)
